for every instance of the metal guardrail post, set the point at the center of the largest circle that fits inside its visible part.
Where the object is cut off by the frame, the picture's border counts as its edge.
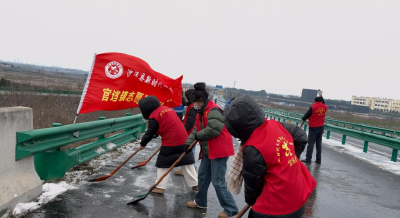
(57, 125)
(365, 147)
(394, 155)
(127, 115)
(101, 136)
(344, 140)
(328, 134)
(305, 127)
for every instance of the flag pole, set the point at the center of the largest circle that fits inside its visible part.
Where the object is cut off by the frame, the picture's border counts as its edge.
(76, 116)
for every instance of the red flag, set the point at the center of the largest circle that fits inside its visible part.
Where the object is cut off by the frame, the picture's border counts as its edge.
(118, 81)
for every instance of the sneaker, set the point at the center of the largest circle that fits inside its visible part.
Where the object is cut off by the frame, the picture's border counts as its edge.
(178, 172)
(222, 215)
(195, 188)
(158, 191)
(306, 161)
(193, 204)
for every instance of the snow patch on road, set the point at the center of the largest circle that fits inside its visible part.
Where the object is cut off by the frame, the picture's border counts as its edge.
(76, 177)
(100, 150)
(50, 191)
(143, 180)
(378, 160)
(111, 145)
(120, 179)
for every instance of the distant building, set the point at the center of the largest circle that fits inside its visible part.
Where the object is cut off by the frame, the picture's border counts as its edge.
(383, 104)
(309, 94)
(6, 65)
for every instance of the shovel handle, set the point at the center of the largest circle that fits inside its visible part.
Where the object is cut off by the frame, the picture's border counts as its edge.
(173, 165)
(302, 123)
(148, 160)
(126, 160)
(243, 211)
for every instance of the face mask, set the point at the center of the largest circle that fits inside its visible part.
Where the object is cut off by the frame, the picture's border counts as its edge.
(197, 108)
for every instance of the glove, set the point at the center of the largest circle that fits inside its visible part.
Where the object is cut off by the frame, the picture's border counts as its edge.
(187, 150)
(155, 136)
(319, 92)
(195, 137)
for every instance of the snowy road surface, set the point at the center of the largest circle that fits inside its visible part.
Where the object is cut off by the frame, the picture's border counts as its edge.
(349, 185)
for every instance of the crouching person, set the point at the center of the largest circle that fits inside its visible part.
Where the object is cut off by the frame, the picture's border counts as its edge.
(164, 122)
(277, 184)
(216, 147)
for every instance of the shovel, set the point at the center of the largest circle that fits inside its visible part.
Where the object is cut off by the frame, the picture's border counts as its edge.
(140, 164)
(138, 198)
(116, 169)
(243, 211)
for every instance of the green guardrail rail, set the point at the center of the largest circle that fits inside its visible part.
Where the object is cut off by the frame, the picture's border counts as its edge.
(365, 128)
(52, 163)
(355, 133)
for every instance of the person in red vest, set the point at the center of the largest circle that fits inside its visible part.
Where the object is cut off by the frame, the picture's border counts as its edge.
(316, 121)
(189, 121)
(164, 122)
(276, 184)
(216, 147)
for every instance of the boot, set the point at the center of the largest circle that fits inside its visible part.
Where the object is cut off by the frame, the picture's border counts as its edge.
(158, 191)
(222, 215)
(178, 172)
(193, 204)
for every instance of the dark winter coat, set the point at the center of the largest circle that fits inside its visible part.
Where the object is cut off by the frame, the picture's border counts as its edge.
(242, 117)
(168, 154)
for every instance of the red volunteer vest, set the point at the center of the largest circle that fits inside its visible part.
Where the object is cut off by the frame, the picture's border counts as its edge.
(288, 183)
(185, 119)
(171, 129)
(220, 146)
(318, 115)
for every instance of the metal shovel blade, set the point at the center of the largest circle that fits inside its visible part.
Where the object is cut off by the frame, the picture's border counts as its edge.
(140, 165)
(138, 198)
(99, 179)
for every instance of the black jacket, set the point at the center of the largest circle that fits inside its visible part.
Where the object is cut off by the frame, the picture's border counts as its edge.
(168, 154)
(242, 117)
(190, 119)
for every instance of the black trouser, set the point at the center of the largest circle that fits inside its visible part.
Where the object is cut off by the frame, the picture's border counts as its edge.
(297, 214)
(314, 137)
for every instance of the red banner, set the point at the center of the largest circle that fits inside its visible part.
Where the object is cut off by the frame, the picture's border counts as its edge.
(118, 81)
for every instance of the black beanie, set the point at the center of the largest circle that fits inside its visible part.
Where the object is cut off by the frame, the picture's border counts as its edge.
(199, 92)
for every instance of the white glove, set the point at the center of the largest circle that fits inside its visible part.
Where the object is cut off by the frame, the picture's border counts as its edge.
(319, 92)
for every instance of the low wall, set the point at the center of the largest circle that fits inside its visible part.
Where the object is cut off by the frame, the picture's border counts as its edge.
(19, 182)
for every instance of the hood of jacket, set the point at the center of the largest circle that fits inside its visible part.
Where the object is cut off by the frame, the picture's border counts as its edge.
(242, 116)
(148, 105)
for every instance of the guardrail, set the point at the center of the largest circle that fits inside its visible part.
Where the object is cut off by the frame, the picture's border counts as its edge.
(359, 134)
(361, 127)
(52, 163)
(46, 91)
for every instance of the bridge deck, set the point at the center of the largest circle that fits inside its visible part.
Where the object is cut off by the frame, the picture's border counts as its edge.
(347, 187)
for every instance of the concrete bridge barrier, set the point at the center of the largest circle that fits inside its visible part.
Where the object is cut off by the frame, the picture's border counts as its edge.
(19, 182)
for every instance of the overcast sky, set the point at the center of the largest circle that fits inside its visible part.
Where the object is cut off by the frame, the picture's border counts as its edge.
(344, 47)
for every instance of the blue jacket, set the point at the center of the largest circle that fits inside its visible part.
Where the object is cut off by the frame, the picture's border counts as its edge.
(228, 102)
(179, 110)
